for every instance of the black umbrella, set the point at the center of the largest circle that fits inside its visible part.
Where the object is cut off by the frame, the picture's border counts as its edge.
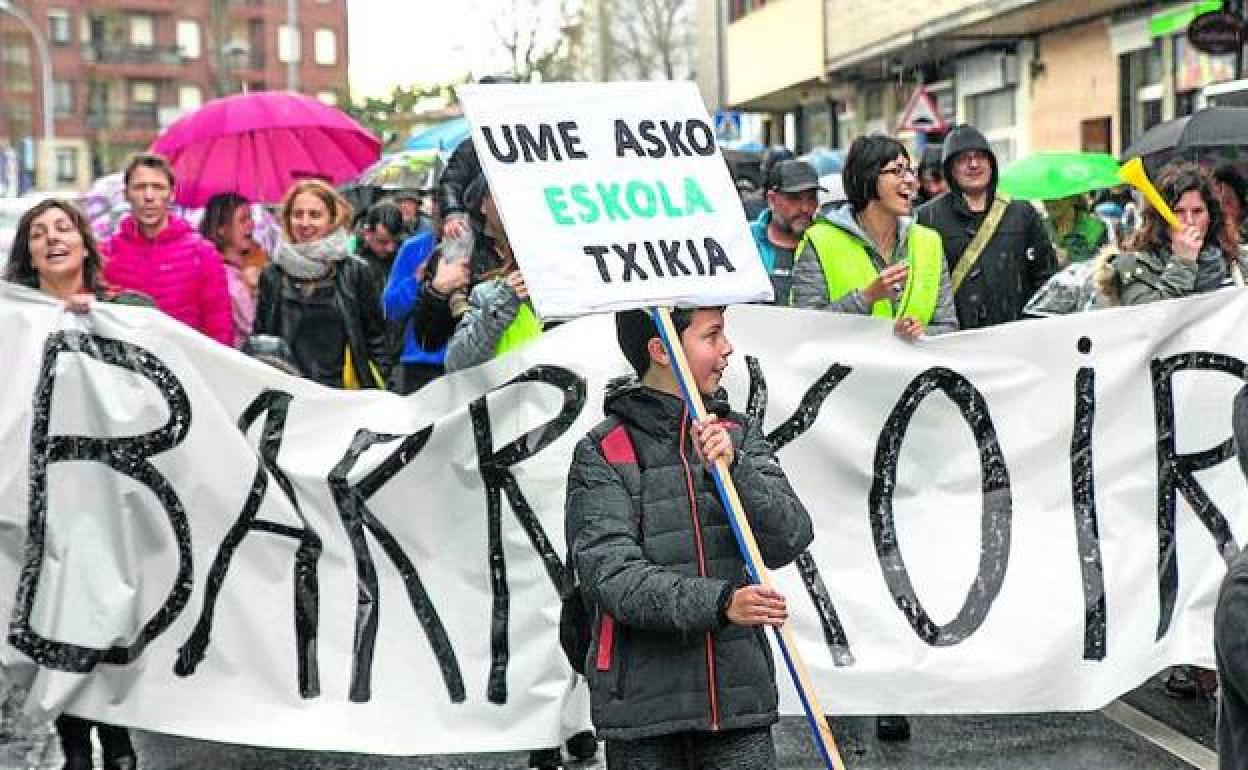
(1192, 136)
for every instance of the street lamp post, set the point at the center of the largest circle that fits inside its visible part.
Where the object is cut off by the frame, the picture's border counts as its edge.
(292, 66)
(45, 64)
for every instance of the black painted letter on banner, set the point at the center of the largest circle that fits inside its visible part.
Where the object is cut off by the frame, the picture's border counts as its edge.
(495, 467)
(1177, 473)
(1083, 496)
(352, 503)
(274, 405)
(787, 431)
(997, 507)
(129, 456)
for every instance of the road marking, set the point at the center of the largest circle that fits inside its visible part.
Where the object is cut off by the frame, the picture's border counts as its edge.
(1162, 735)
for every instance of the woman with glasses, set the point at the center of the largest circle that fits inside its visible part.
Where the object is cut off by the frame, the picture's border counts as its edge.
(867, 257)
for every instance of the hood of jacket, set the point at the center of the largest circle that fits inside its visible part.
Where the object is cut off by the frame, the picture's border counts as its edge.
(959, 140)
(177, 229)
(842, 216)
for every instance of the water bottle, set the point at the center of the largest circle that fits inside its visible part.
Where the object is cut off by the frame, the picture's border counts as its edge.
(459, 247)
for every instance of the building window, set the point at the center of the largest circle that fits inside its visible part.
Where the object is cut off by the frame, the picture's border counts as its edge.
(21, 112)
(142, 92)
(993, 114)
(287, 44)
(188, 39)
(328, 97)
(142, 31)
(62, 98)
(326, 47)
(66, 166)
(993, 110)
(18, 76)
(190, 97)
(59, 26)
(1153, 62)
(874, 117)
(15, 52)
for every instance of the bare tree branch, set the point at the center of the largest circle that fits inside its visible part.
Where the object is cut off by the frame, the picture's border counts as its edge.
(652, 39)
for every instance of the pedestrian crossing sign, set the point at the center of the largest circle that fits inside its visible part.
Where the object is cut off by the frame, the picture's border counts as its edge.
(921, 114)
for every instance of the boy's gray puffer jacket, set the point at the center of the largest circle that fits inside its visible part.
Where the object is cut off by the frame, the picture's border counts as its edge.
(663, 658)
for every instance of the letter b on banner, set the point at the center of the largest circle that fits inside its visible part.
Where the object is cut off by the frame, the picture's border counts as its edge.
(127, 455)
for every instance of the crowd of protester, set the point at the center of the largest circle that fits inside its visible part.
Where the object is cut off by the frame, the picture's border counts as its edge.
(427, 282)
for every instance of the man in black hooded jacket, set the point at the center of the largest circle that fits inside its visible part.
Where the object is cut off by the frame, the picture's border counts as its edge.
(1018, 258)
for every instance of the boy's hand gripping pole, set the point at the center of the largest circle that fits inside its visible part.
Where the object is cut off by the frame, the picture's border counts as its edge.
(822, 734)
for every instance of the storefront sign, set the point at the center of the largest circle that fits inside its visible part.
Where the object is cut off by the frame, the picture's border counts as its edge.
(1216, 33)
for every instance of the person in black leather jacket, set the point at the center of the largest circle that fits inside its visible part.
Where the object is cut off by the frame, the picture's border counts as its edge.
(462, 169)
(320, 298)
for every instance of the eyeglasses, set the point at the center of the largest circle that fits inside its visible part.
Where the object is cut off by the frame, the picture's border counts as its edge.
(979, 156)
(901, 172)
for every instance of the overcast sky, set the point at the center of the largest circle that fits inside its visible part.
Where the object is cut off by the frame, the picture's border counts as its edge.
(402, 42)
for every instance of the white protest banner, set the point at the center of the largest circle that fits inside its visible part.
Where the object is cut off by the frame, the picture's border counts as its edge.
(614, 195)
(1029, 518)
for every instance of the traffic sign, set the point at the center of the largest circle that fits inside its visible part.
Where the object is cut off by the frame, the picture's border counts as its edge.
(921, 114)
(727, 125)
(1216, 33)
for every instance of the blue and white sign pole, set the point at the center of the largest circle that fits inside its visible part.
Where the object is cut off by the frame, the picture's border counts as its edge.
(821, 732)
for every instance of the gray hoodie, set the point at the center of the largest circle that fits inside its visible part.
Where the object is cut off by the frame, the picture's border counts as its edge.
(810, 288)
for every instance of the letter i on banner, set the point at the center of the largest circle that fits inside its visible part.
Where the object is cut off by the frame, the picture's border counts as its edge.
(822, 733)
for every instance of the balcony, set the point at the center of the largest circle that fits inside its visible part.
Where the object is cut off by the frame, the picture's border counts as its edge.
(243, 63)
(135, 5)
(247, 8)
(144, 118)
(139, 56)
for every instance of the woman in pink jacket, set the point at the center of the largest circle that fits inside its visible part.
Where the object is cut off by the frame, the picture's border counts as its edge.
(161, 255)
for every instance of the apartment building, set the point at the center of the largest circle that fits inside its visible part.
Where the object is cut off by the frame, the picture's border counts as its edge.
(123, 70)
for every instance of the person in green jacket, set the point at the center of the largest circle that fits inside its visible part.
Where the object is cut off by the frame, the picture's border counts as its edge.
(868, 257)
(1076, 232)
(499, 317)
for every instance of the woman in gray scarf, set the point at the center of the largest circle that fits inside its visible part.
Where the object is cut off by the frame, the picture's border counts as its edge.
(319, 298)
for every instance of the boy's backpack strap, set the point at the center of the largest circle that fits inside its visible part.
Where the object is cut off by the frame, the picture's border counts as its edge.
(616, 445)
(576, 616)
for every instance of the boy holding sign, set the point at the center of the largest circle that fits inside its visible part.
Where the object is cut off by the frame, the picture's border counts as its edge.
(679, 670)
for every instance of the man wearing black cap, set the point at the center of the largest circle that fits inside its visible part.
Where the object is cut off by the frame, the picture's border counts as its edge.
(998, 251)
(792, 199)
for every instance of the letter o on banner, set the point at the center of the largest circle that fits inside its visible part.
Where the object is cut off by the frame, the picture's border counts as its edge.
(997, 510)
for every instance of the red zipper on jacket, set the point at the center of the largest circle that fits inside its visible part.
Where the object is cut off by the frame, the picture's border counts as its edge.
(697, 541)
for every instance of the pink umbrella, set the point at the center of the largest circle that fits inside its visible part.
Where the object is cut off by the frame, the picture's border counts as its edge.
(258, 144)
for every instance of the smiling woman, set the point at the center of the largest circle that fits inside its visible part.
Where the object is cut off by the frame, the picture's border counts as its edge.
(868, 257)
(54, 251)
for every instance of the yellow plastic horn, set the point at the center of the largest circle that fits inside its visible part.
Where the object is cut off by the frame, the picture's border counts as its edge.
(1132, 172)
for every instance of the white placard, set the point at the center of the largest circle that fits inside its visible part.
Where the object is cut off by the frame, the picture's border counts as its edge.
(614, 196)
